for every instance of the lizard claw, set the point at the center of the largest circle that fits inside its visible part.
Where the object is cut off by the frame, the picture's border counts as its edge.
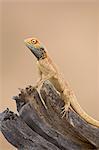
(64, 110)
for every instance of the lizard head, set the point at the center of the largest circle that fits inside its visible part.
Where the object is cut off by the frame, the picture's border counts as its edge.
(36, 48)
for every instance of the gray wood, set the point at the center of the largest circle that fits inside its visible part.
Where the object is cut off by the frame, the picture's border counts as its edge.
(20, 135)
(39, 128)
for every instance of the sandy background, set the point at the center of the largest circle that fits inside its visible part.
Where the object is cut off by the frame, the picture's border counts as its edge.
(70, 32)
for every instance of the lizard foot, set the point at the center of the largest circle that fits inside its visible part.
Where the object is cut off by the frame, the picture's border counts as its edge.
(65, 110)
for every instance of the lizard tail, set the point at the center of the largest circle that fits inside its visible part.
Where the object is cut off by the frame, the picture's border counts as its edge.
(75, 105)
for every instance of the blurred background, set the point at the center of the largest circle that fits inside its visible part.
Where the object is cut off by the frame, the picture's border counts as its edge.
(70, 31)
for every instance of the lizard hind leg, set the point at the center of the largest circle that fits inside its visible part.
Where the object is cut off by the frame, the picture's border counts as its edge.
(66, 106)
(65, 95)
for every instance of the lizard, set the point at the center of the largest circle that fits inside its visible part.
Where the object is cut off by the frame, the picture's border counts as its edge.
(48, 71)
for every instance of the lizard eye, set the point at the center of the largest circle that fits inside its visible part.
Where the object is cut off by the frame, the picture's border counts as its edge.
(34, 41)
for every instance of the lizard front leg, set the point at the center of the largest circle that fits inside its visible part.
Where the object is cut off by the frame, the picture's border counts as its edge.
(39, 80)
(38, 83)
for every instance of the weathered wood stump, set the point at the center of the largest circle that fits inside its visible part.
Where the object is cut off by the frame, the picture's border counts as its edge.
(38, 128)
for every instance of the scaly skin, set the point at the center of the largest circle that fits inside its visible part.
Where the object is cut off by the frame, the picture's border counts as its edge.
(48, 71)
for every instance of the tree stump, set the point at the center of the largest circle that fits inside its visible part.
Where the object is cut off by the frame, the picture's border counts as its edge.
(39, 128)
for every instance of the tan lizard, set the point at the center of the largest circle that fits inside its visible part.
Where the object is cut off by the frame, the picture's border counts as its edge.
(48, 71)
